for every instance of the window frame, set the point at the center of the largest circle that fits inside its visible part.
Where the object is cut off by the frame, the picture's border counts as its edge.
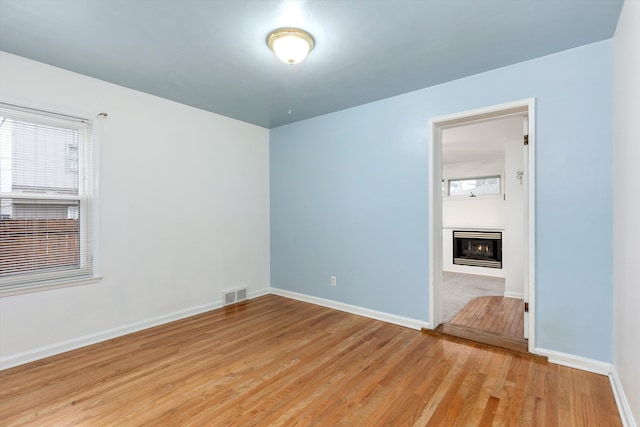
(87, 165)
(447, 186)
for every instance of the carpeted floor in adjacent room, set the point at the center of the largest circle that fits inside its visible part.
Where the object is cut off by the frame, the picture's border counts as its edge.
(459, 288)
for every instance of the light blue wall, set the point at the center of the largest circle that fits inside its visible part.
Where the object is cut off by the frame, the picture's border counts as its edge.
(349, 197)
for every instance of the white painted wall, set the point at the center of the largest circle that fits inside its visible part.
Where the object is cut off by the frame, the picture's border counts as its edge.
(473, 212)
(472, 169)
(484, 212)
(626, 213)
(513, 244)
(184, 212)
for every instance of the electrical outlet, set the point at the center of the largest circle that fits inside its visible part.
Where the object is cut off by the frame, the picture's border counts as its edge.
(333, 280)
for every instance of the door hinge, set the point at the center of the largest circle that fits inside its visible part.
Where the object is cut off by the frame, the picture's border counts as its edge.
(526, 140)
(526, 307)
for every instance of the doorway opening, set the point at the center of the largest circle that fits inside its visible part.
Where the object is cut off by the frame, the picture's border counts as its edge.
(481, 223)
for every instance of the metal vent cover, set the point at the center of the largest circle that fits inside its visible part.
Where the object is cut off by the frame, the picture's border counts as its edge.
(229, 297)
(241, 294)
(234, 295)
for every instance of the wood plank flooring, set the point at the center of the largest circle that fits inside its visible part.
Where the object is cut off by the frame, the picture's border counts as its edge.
(492, 320)
(495, 314)
(275, 361)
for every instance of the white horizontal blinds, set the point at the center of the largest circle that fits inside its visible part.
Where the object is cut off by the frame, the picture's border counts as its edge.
(45, 194)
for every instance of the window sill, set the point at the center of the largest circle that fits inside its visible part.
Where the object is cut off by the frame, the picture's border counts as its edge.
(27, 289)
(476, 197)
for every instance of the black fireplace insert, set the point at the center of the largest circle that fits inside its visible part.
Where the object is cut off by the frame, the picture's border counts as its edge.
(477, 248)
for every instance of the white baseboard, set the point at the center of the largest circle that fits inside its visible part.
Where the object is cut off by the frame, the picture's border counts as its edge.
(259, 293)
(83, 341)
(477, 271)
(621, 399)
(354, 309)
(564, 359)
(596, 367)
(556, 357)
(518, 295)
(573, 361)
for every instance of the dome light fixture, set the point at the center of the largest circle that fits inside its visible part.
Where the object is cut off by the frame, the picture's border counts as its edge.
(291, 45)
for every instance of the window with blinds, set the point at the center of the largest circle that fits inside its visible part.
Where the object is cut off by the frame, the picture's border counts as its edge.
(45, 197)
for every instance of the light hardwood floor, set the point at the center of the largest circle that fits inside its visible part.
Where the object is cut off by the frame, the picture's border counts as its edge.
(496, 314)
(275, 361)
(492, 320)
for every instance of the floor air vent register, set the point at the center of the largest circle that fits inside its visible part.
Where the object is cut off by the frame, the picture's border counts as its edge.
(233, 296)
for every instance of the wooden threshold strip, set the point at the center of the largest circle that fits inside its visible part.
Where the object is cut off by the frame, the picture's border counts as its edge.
(466, 335)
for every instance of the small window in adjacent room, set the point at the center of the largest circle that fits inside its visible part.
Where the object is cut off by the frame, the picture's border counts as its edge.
(46, 198)
(474, 186)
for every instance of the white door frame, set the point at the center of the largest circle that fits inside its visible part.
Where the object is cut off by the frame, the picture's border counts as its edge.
(436, 125)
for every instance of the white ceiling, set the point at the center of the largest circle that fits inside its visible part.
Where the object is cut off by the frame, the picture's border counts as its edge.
(212, 54)
(480, 142)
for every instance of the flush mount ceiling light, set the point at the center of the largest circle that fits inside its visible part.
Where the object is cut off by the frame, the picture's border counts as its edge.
(291, 45)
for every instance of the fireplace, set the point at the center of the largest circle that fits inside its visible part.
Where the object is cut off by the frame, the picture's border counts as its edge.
(477, 248)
